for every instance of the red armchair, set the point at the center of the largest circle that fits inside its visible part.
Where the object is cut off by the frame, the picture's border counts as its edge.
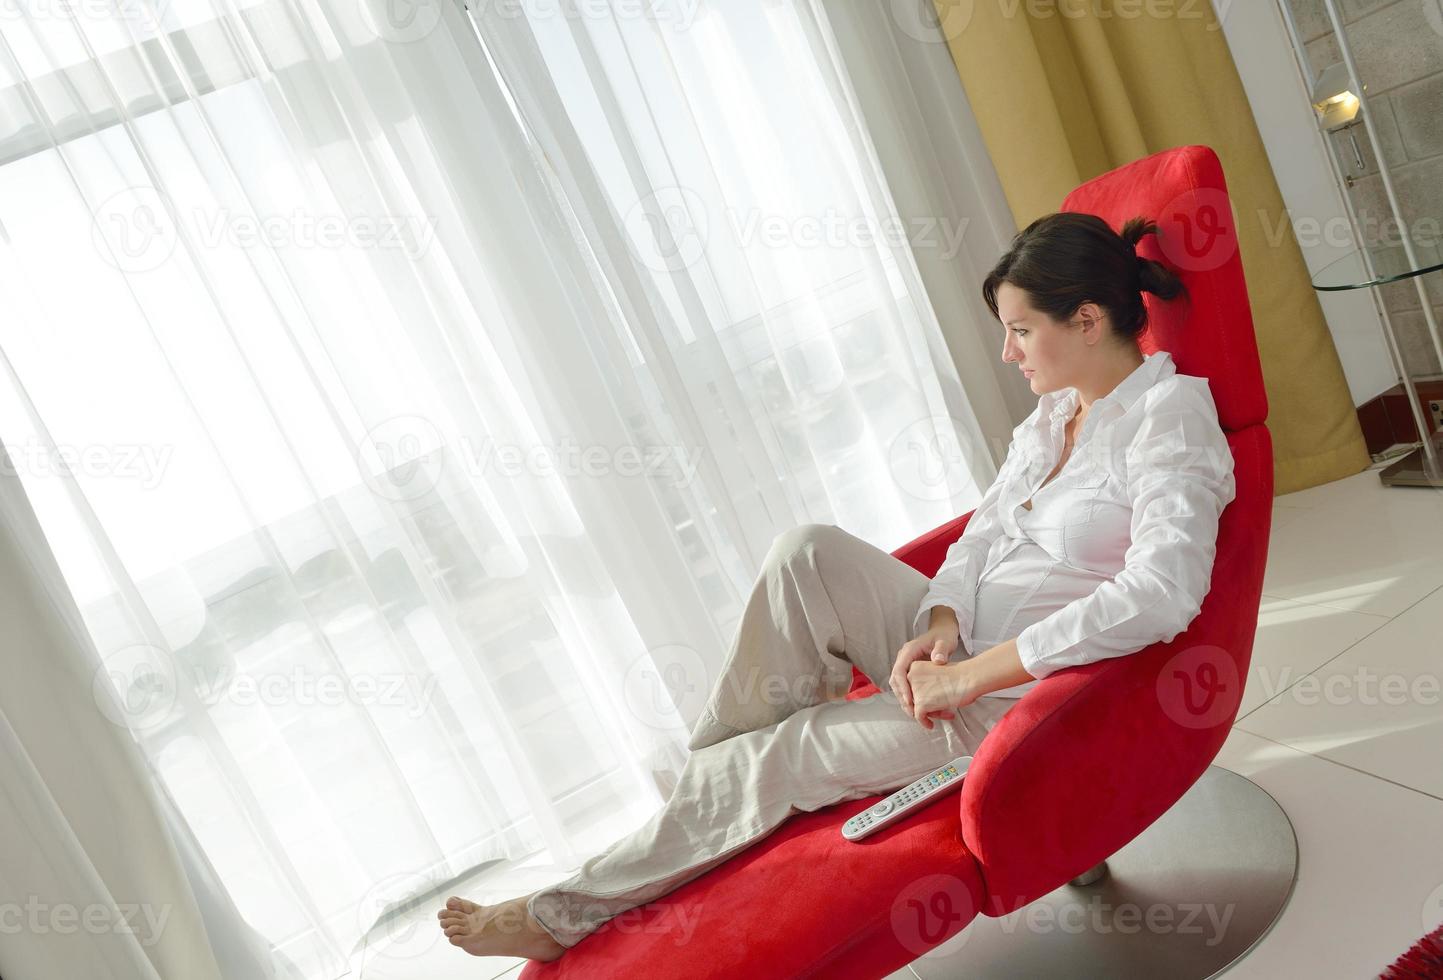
(1079, 767)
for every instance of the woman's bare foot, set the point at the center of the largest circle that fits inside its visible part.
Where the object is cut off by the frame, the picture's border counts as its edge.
(507, 929)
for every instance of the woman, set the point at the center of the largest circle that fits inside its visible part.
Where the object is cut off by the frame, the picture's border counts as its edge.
(1096, 540)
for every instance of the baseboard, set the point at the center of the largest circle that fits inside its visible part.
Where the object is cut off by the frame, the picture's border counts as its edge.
(1387, 419)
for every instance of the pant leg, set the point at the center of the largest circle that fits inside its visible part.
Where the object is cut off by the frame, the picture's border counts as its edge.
(738, 791)
(825, 600)
(760, 757)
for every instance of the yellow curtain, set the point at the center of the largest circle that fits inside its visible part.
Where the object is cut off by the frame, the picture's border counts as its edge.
(1068, 89)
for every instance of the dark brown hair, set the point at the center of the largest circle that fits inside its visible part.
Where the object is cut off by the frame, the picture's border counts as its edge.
(1065, 259)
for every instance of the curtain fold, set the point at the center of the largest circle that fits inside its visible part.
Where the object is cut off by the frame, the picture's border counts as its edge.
(1065, 92)
(94, 883)
(409, 398)
(939, 176)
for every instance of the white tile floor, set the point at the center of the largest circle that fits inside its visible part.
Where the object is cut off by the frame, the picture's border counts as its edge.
(1342, 722)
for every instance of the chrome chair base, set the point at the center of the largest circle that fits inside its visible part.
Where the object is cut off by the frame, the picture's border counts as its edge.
(1185, 899)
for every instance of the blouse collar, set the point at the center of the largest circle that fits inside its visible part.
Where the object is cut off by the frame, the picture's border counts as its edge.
(1155, 367)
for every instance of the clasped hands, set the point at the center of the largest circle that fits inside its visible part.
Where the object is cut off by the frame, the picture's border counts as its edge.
(926, 684)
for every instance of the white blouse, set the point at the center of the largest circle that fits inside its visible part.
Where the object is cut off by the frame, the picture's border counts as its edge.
(1117, 551)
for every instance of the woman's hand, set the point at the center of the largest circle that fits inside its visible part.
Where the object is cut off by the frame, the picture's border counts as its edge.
(937, 689)
(936, 645)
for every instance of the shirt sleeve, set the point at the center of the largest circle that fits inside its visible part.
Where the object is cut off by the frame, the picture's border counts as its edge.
(1180, 477)
(955, 584)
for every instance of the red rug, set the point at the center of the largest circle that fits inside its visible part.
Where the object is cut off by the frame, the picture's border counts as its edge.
(1423, 962)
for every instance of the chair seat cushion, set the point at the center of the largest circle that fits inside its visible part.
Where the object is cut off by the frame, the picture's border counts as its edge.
(801, 901)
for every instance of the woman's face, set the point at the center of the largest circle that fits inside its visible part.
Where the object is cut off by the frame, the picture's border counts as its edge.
(1050, 353)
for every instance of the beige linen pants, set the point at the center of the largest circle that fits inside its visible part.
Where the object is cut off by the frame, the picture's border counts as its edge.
(768, 744)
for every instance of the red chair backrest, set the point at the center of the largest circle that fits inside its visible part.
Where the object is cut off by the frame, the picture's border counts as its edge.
(1211, 334)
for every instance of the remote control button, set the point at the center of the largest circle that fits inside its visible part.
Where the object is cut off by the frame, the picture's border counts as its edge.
(884, 807)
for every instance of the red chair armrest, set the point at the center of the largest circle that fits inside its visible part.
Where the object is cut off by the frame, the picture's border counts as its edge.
(1066, 778)
(927, 552)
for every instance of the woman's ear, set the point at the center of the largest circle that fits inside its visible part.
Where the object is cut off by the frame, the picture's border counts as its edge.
(1090, 314)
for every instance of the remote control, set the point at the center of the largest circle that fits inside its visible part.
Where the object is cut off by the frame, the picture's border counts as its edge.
(907, 799)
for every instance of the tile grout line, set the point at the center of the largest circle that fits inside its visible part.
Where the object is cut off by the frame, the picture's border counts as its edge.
(1335, 656)
(1278, 694)
(1342, 609)
(1341, 765)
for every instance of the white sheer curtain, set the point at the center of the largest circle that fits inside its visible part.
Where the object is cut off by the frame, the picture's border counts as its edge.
(408, 399)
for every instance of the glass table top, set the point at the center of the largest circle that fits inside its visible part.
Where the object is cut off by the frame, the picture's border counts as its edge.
(1389, 264)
